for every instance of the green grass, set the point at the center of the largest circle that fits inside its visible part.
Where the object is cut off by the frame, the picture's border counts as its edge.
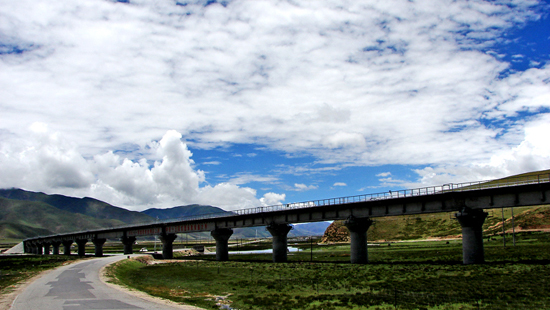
(410, 275)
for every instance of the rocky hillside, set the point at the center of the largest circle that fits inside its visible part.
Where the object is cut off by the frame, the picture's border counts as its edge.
(336, 232)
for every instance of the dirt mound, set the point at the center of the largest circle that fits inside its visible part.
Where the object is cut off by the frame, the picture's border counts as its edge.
(336, 232)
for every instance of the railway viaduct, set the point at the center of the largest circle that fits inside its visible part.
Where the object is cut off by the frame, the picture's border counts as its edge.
(468, 200)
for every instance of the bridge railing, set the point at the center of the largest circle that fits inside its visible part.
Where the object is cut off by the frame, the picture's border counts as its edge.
(424, 191)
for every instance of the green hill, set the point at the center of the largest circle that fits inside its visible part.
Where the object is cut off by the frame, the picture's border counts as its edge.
(26, 214)
(182, 211)
(534, 176)
(85, 206)
(20, 219)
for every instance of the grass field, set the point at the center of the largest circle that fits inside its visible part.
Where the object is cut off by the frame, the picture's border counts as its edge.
(406, 275)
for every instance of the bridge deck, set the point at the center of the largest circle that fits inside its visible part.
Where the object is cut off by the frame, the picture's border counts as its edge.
(519, 192)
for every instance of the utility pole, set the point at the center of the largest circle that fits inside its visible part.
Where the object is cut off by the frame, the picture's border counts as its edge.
(311, 247)
(156, 237)
(503, 230)
(513, 228)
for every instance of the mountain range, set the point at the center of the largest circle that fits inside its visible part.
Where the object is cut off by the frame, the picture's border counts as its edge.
(26, 214)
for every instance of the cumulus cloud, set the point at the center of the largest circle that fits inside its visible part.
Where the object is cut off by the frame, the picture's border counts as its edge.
(270, 199)
(354, 83)
(45, 159)
(532, 154)
(50, 164)
(339, 184)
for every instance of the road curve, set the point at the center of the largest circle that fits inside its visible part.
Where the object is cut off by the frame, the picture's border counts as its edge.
(78, 286)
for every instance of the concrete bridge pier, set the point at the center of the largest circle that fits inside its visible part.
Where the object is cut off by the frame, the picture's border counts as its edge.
(98, 244)
(128, 243)
(471, 221)
(279, 233)
(81, 243)
(39, 250)
(358, 232)
(167, 249)
(55, 246)
(67, 246)
(47, 248)
(222, 235)
(31, 248)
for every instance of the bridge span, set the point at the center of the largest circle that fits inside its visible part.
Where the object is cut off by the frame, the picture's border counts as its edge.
(468, 200)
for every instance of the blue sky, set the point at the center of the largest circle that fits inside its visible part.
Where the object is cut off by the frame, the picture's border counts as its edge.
(238, 104)
(300, 178)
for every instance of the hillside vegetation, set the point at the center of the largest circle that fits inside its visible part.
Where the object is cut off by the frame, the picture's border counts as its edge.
(19, 219)
(26, 214)
(86, 206)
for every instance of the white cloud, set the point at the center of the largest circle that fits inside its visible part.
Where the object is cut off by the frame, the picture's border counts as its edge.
(344, 139)
(213, 163)
(532, 154)
(340, 184)
(302, 187)
(45, 159)
(384, 174)
(271, 199)
(357, 83)
(52, 165)
(228, 196)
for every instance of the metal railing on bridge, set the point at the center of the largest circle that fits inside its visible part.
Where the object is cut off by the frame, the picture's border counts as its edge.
(423, 191)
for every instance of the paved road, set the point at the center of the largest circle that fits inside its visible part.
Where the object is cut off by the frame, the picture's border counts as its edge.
(77, 286)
